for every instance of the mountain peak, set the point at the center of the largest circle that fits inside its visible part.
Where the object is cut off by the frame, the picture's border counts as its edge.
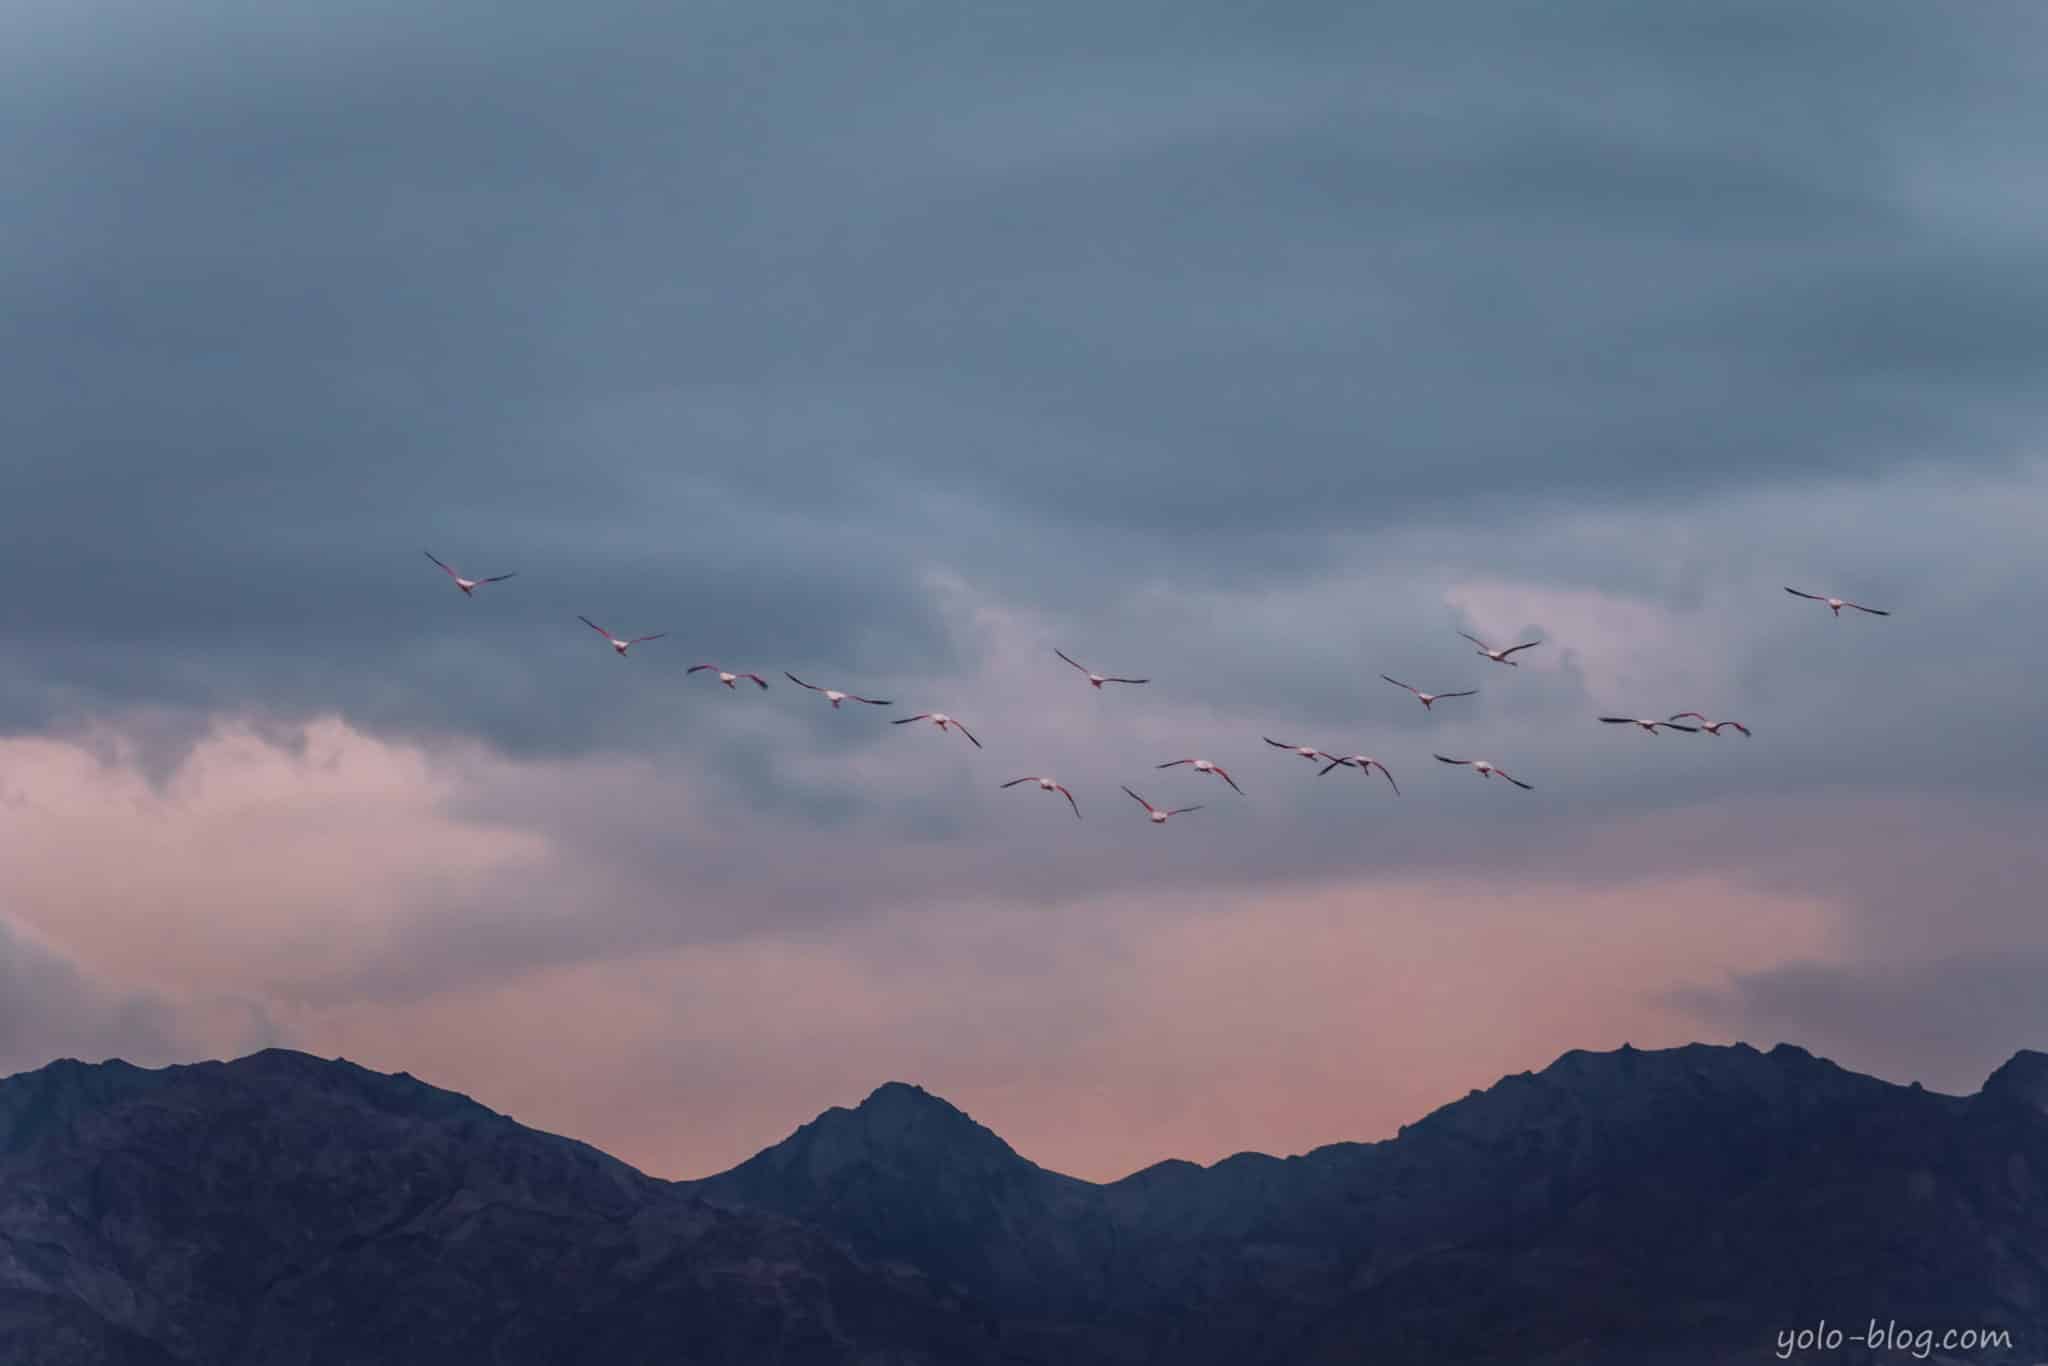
(2023, 1077)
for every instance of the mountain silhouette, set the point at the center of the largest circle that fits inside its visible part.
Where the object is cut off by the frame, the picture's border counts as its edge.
(1660, 1208)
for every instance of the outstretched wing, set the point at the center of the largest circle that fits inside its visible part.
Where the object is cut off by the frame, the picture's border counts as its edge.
(1277, 744)
(696, 668)
(1530, 645)
(1517, 782)
(500, 578)
(1390, 778)
(759, 681)
(1070, 799)
(1399, 684)
(800, 683)
(1228, 779)
(1139, 800)
(1673, 725)
(1126, 680)
(871, 701)
(1070, 659)
(444, 568)
(1462, 763)
(595, 627)
(656, 636)
(1014, 781)
(1475, 640)
(1469, 692)
(1183, 810)
(1874, 611)
(1814, 597)
(1682, 715)
(906, 720)
(1619, 720)
(969, 734)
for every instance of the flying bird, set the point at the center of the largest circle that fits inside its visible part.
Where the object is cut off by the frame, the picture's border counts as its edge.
(1486, 770)
(1098, 679)
(1429, 699)
(939, 719)
(1303, 750)
(468, 586)
(1364, 763)
(1204, 766)
(1837, 604)
(729, 679)
(620, 645)
(1158, 816)
(1499, 656)
(1712, 728)
(1048, 785)
(1649, 726)
(834, 696)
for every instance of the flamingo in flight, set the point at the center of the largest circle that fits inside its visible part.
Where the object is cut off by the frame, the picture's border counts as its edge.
(1649, 727)
(1095, 678)
(730, 680)
(1158, 816)
(834, 696)
(1712, 728)
(1430, 699)
(1486, 770)
(939, 719)
(1499, 656)
(1837, 604)
(619, 645)
(1364, 763)
(468, 586)
(1202, 766)
(1303, 750)
(1048, 785)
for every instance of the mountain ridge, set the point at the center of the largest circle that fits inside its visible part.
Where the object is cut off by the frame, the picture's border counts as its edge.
(1638, 1206)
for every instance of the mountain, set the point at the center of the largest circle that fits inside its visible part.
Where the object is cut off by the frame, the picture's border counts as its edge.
(1670, 1208)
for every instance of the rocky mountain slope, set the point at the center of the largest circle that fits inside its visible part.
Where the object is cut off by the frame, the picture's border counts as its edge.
(1680, 1206)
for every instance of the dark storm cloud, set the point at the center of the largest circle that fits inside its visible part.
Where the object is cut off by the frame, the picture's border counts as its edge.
(699, 318)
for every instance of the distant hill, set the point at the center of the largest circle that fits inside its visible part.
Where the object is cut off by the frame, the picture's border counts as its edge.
(1670, 1208)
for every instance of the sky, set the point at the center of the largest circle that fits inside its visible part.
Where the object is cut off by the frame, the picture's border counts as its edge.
(1258, 350)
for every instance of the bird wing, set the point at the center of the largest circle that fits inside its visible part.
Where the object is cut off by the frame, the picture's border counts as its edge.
(1388, 775)
(656, 636)
(1462, 763)
(1469, 692)
(759, 681)
(695, 668)
(1474, 639)
(595, 627)
(1516, 781)
(1126, 680)
(1276, 744)
(1673, 725)
(1014, 781)
(1228, 779)
(1681, 715)
(1399, 684)
(1738, 725)
(872, 701)
(1070, 659)
(1140, 800)
(1529, 645)
(500, 578)
(1875, 612)
(1813, 596)
(444, 568)
(800, 683)
(1173, 763)
(1339, 763)
(1061, 789)
(906, 720)
(1183, 810)
(969, 734)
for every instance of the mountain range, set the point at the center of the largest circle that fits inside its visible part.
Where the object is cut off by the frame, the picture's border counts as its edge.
(1676, 1207)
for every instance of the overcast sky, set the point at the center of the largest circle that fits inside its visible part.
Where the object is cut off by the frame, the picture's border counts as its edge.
(1257, 350)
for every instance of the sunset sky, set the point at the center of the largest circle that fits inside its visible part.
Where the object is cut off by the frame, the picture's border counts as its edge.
(1258, 350)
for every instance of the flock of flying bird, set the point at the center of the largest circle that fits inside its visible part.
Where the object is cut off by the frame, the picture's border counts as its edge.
(1364, 763)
